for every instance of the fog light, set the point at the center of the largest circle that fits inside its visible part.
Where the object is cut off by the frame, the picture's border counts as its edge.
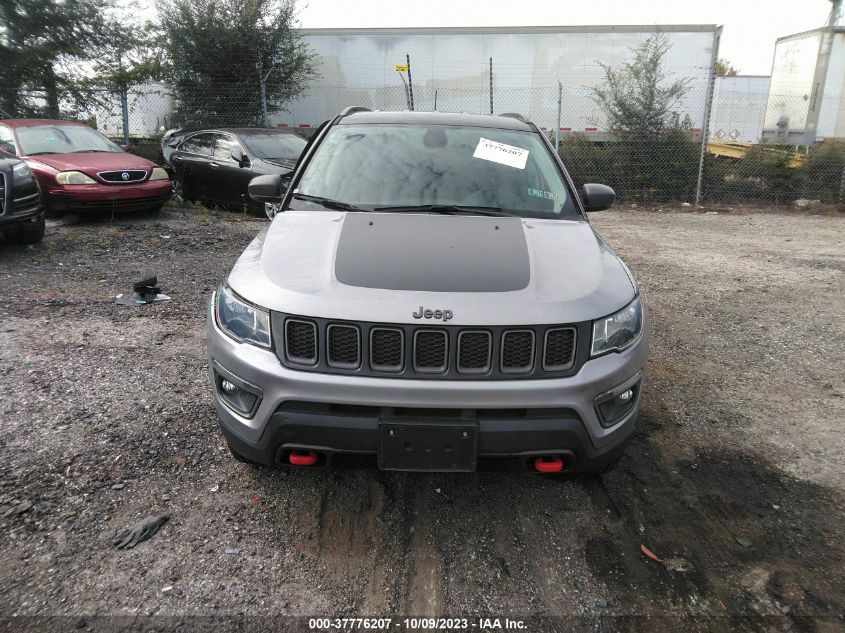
(237, 394)
(616, 404)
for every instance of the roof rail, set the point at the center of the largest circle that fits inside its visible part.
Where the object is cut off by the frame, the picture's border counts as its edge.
(353, 109)
(514, 115)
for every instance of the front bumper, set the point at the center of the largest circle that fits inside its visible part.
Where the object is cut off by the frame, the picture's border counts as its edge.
(22, 209)
(290, 416)
(107, 197)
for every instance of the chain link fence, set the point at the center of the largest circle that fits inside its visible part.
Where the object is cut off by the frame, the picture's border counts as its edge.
(747, 158)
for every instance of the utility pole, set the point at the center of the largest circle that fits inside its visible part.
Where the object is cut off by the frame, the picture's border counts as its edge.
(400, 69)
(124, 106)
(708, 104)
(491, 85)
(557, 127)
(410, 82)
(262, 87)
(124, 98)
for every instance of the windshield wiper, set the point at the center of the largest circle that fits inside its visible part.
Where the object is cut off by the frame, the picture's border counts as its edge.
(41, 153)
(337, 205)
(448, 209)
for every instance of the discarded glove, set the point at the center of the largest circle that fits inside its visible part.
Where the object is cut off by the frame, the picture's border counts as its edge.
(141, 531)
(144, 292)
(147, 288)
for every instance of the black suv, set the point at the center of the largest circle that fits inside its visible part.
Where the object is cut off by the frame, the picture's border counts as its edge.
(21, 213)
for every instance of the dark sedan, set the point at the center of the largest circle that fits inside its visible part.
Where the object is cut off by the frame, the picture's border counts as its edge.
(215, 166)
(21, 214)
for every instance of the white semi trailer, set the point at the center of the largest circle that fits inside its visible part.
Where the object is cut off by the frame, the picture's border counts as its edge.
(450, 69)
(150, 108)
(739, 107)
(807, 93)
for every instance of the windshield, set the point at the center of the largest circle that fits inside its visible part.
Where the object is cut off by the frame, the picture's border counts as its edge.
(372, 166)
(274, 145)
(62, 139)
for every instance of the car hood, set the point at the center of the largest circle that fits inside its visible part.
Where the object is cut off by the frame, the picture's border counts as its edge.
(383, 267)
(92, 162)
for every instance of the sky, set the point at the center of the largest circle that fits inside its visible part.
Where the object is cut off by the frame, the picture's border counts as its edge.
(748, 38)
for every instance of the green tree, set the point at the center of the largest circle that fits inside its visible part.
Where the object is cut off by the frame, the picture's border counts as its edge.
(650, 148)
(222, 51)
(639, 98)
(725, 69)
(129, 55)
(824, 172)
(45, 50)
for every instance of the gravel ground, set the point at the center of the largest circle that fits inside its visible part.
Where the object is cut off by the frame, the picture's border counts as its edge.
(735, 477)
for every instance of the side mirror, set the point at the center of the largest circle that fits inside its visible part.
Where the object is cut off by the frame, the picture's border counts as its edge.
(286, 178)
(173, 142)
(597, 197)
(238, 156)
(266, 188)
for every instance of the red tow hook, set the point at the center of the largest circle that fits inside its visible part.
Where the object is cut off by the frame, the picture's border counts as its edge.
(549, 464)
(302, 458)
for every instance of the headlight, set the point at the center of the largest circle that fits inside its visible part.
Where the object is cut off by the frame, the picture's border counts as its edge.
(241, 320)
(74, 178)
(21, 171)
(159, 174)
(618, 331)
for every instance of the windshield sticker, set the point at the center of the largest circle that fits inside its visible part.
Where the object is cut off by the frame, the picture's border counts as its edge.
(501, 153)
(539, 193)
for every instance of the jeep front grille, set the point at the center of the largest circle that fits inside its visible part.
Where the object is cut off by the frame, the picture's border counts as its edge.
(344, 348)
(301, 342)
(474, 352)
(560, 349)
(431, 348)
(429, 351)
(518, 351)
(386, 349)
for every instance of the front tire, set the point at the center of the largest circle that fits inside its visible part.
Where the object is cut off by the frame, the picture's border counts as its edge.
(271, 209)
(26, 232)
(178, 194)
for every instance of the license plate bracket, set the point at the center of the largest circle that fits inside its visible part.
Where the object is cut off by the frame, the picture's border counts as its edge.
(428, 446)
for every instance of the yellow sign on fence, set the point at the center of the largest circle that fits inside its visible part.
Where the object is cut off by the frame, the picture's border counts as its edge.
(401, 68)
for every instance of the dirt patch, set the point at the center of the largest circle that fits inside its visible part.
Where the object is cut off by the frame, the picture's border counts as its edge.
(735, 533)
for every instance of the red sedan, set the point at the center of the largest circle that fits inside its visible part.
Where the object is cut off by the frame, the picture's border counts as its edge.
(79, 169)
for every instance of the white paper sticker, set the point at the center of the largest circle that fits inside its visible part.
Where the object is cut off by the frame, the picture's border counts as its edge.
(501, 153)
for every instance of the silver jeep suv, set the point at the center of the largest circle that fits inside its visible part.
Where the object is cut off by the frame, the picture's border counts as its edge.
(431, 297)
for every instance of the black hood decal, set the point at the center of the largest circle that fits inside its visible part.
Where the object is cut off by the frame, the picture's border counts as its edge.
(434, 253)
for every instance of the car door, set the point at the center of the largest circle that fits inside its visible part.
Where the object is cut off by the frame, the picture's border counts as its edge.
(231, 178)
(192, 165)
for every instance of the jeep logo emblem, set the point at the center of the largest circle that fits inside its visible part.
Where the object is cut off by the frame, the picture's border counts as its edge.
(125, 175)
(443, 315)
